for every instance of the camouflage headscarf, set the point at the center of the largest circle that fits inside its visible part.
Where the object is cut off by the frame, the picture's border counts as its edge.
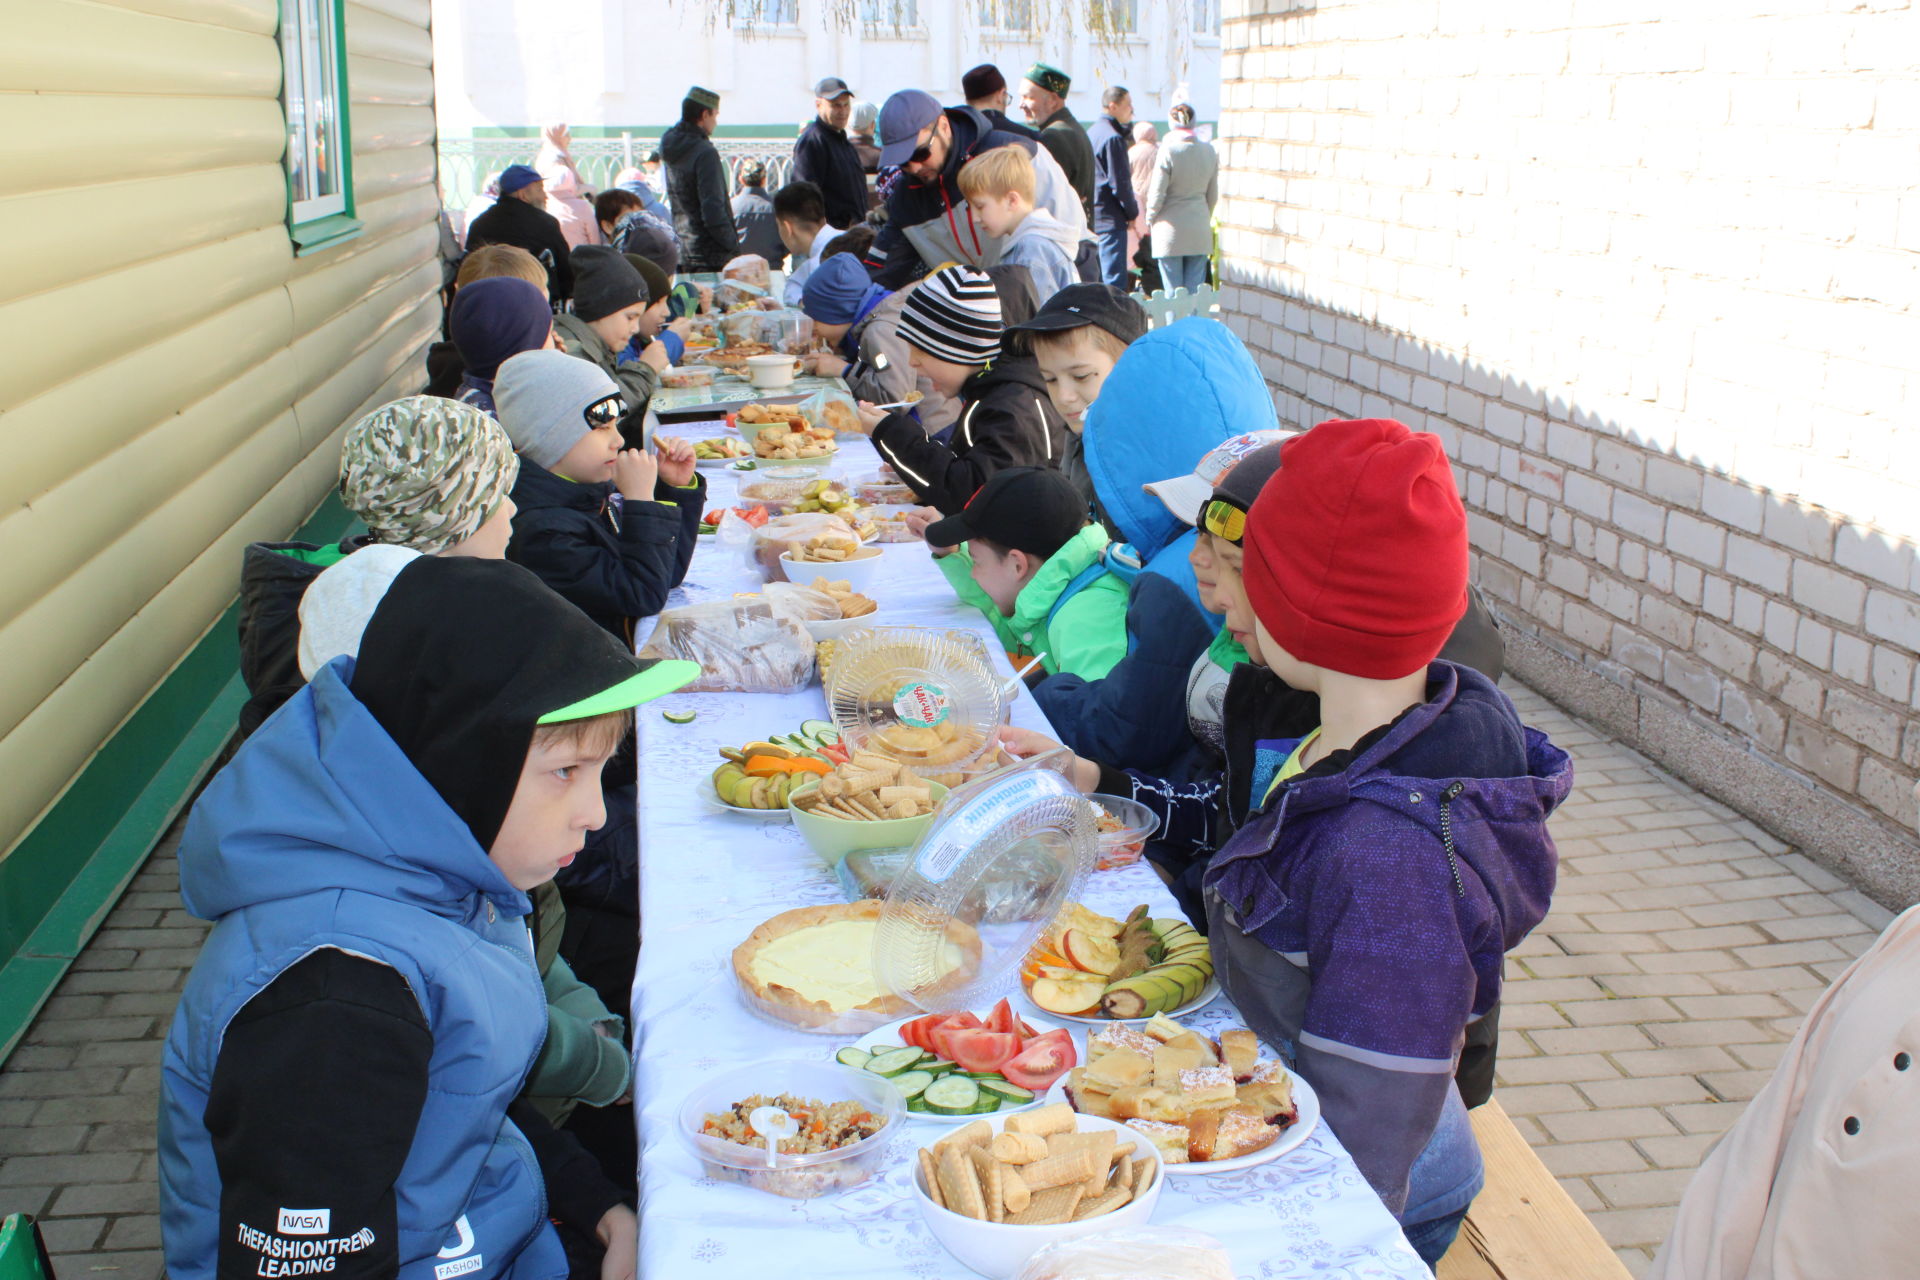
(424, 472)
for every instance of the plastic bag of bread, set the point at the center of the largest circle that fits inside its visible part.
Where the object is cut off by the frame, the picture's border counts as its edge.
(746, 645)
(1145, 1253)
(784, 330)
(832, 407)
(748, 268)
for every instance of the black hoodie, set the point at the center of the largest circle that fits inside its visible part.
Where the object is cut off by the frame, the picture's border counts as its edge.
(891, 257)
(513, 221)
(1007, 419)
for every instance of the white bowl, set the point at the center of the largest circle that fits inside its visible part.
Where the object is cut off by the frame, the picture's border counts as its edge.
(998, 1250)
(770, 373)
(834, 628)
(858, 574)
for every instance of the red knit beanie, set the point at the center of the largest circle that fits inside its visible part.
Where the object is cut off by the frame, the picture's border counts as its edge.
(1356, 551)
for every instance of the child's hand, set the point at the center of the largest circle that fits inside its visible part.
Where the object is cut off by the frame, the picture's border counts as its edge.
(870, 417)
(676, 460)
(824, 364)
(706, 296)
(655, 354)
(917, 521)
(1024, 744)
(681, 328)
(769, 304)
(619, 1233)
(635, 473)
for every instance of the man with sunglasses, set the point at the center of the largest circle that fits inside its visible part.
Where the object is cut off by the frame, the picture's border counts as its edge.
(928, 221)
(610, 528)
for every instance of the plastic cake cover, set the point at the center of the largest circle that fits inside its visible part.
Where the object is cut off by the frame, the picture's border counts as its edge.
(1004, 854)
(927, 697)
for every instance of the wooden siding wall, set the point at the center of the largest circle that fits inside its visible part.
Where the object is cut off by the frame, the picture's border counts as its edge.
(173, 381)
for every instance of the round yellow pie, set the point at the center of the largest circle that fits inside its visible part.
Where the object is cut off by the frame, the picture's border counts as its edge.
(812, 966)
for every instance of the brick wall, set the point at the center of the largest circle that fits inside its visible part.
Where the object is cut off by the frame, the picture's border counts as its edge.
(1652, 271)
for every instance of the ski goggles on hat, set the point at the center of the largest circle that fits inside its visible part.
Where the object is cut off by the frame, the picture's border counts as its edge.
(1224, 518)
(603, 412)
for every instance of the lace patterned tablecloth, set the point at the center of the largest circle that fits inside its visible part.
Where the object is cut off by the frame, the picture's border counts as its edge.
(709, 877)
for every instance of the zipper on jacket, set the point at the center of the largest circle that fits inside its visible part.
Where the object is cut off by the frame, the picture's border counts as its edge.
(1447, 798)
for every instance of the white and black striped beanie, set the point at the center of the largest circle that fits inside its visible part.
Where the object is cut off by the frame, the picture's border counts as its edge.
(954, 314)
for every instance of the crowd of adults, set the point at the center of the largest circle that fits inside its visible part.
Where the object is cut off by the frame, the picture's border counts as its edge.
(1137, 209)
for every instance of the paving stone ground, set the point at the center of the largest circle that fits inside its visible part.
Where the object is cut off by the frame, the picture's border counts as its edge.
(1684, 946)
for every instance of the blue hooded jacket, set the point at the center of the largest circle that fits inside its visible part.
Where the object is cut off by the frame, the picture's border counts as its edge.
(1176, 393)
(320, 833)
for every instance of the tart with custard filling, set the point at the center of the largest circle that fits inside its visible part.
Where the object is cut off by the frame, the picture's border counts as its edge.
(813, 966)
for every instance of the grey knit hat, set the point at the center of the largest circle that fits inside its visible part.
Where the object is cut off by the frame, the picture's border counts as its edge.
(424, 472)
(954, 314)
(542, 399)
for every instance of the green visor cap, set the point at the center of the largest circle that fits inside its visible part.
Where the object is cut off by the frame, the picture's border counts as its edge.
(658, 679)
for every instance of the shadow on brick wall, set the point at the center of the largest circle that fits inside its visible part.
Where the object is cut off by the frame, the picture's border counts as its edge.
(1758, 646)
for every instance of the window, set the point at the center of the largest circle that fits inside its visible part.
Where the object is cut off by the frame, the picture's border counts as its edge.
(1206, 17)
(771, 13)
(1122, 16)
(319, 157)
(1007, 15)
(902, 15)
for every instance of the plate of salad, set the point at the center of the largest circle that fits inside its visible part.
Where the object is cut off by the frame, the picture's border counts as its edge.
(951, 1067)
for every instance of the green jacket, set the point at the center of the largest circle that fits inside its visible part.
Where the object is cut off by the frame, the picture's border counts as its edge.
(1089, 633)
(576, 1063)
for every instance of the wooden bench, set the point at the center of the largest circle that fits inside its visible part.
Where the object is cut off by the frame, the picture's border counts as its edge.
(1522, 1225)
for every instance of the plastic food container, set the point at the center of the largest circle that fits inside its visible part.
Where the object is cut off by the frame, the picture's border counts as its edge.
(926, 697)
(999, 1249)
(688, 375)
(834, 838)
(770, 373)
(1123, 847)
(798, 1177)
(876, 490)
(892, 527)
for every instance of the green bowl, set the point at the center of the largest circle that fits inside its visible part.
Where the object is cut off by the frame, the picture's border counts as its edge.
(832, 839)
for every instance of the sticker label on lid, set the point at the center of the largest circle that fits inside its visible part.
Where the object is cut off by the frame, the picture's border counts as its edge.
(962, 834)
(922, 704)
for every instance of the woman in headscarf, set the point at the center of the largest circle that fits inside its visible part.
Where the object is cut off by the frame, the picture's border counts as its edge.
(567, 196)
(1140, 158)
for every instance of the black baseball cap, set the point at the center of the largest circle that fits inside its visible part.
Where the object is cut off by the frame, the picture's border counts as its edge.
(1032, 509)
(1078, 305)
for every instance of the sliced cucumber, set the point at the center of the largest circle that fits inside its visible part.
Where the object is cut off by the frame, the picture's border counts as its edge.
(988, 1104)
(894, 1061)
(938, 1066)
(912, 1084)
(820, 731)
(1011, 1092)
(983, 1075)
(916, 1104)
(679, 717)
(952, 1095)
(852, 1057)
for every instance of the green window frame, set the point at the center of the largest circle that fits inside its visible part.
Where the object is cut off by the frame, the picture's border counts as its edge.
(313, 95)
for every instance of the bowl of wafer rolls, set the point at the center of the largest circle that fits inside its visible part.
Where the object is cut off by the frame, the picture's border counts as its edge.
(871, 802)
(997, 1191)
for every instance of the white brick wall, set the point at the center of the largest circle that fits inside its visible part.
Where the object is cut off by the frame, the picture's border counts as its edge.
(1652, 271)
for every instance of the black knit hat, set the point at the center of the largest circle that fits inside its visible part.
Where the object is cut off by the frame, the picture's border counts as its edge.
(652, 275)
(981, 82)
(604, 282)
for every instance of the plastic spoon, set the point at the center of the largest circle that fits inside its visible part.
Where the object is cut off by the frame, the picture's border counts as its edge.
(773, 1124)
(1012, 687)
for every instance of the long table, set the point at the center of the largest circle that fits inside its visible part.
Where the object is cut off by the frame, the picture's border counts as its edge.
(707, 878)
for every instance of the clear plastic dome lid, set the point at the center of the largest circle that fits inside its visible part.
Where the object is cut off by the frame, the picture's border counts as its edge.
(927, 698)
(1005, 854)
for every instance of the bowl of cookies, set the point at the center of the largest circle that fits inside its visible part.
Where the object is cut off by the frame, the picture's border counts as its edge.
(994, 1193)
(840, 557)
(871, 803)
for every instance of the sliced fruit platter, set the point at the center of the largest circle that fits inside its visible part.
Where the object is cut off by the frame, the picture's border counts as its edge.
(720, 448)
(1093, 968)
(1207, 1105)
(759, 776)
(953, 1066)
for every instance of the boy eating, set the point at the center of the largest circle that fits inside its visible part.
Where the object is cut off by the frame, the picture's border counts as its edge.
(951, 324)
(1031, 562)
(998, 186)
(1076, 337)
(339, 1082)
(616, 561)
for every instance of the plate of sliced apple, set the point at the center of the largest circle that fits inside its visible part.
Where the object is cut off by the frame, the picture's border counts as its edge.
(1094, 969)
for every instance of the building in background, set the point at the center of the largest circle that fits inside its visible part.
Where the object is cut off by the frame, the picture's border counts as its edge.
(226, 250)
(611, 67)
(1654, 276)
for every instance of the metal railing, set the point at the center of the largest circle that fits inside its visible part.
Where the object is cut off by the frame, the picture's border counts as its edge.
(466, 163)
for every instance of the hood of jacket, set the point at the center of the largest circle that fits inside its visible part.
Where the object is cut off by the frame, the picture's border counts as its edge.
(1036, 599)
(1176, 393)
(1042, 225)
(321, 798)
(681, 143)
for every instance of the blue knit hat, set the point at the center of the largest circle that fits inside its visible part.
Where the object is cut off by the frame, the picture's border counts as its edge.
(837, 289)
(516, 176)
(498, 317)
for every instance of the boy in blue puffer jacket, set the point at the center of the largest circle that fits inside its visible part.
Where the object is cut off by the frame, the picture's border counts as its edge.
(338, 1086)
(1176, 394)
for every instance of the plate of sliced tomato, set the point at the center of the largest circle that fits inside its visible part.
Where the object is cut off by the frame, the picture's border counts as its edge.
(967, 1065)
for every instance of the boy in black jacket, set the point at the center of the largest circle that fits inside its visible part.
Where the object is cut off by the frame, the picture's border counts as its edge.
(609, 528)
(952, 325)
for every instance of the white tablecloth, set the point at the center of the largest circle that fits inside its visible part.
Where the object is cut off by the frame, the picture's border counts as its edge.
(707, 878)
